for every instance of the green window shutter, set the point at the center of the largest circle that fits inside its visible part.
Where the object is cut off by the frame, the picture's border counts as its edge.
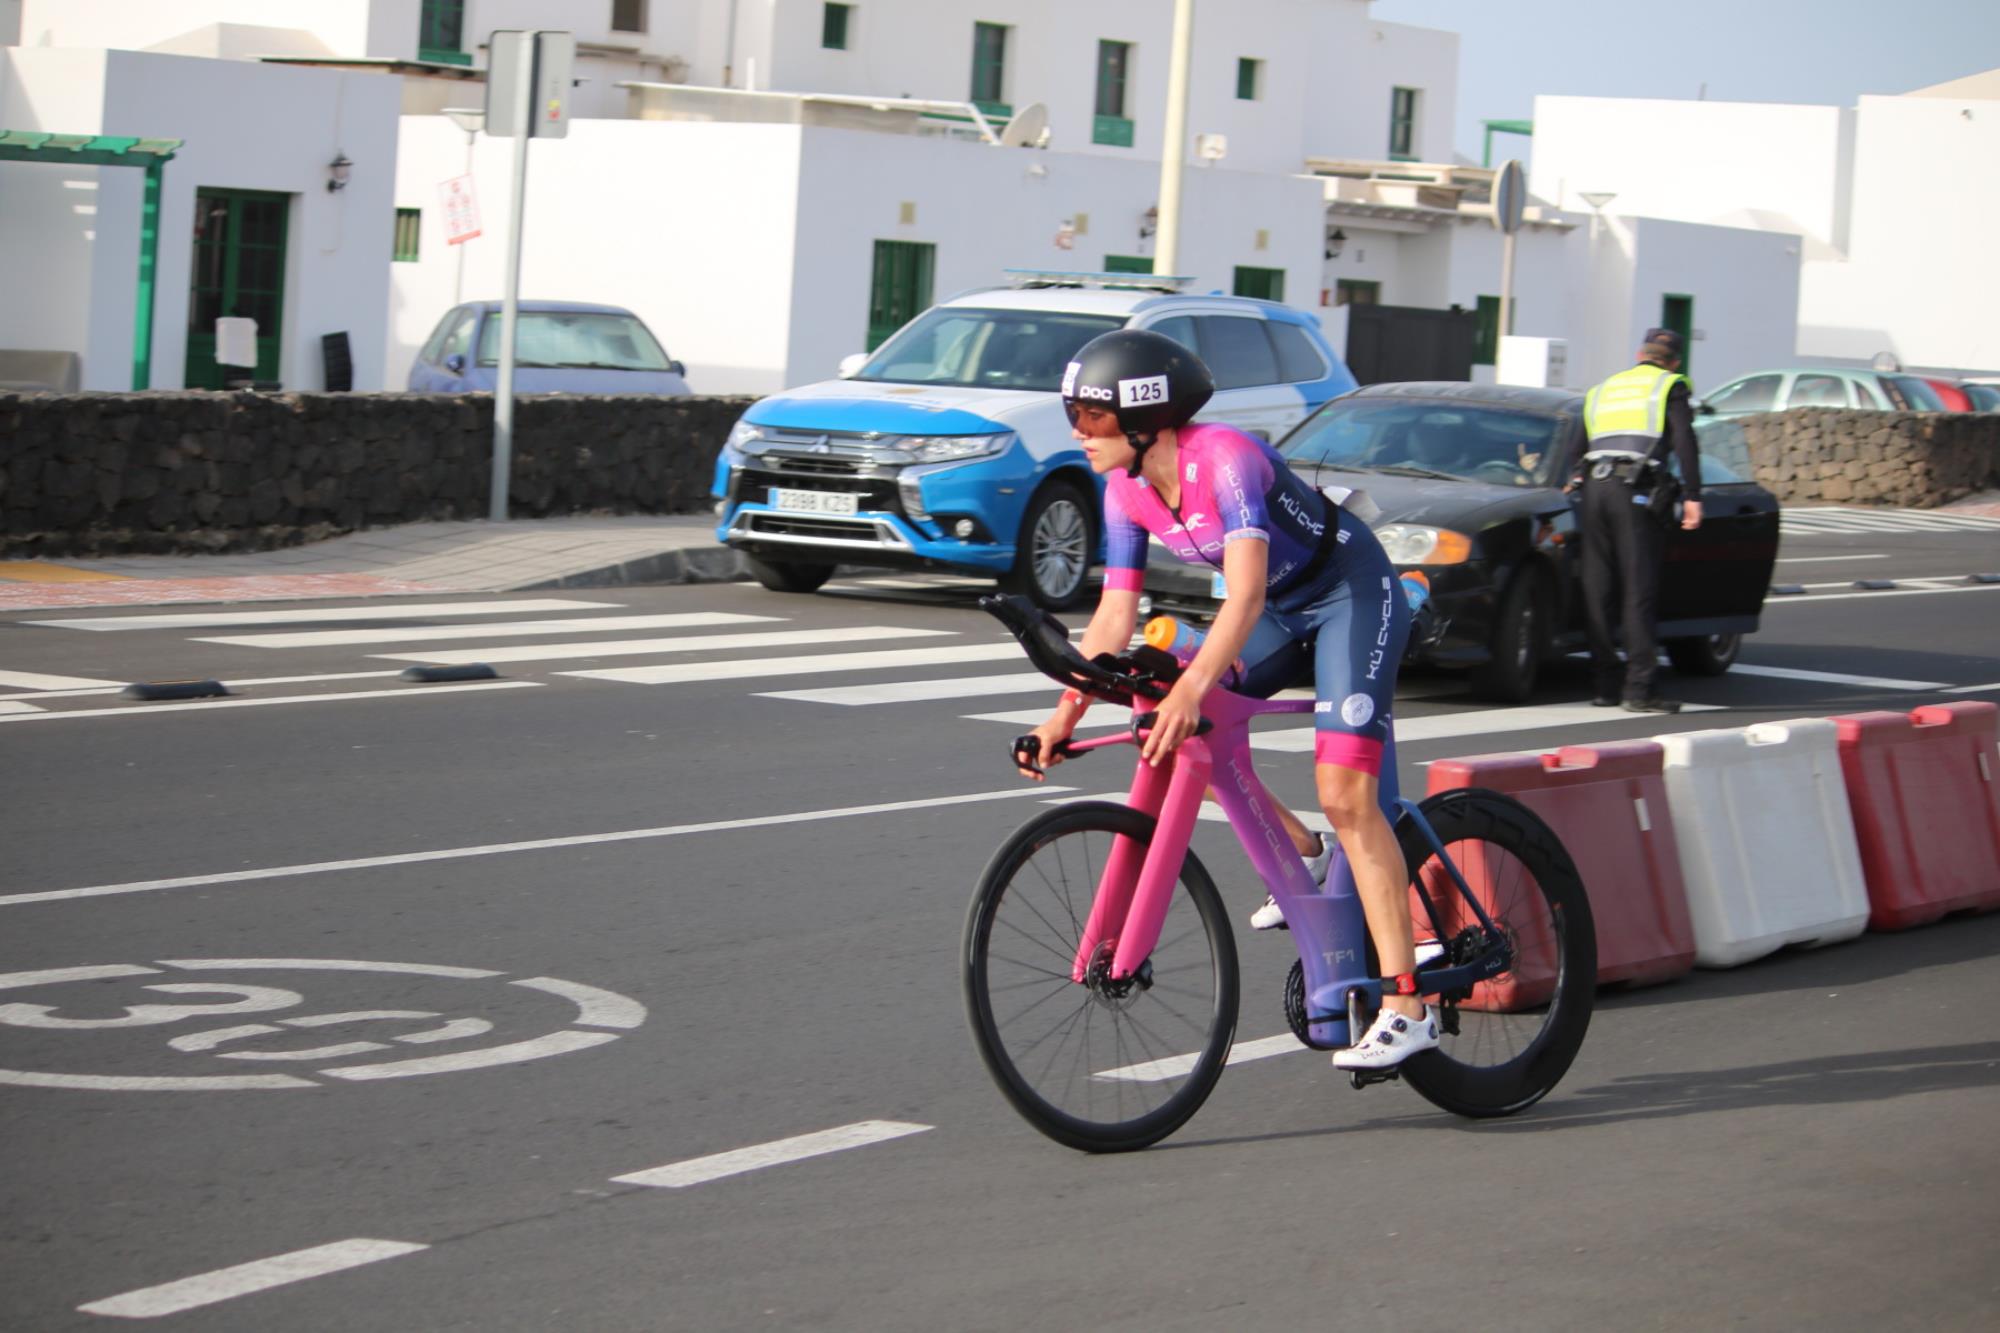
(1127, 264)
(409, 230)
(1677, 313)
(1402, 124)
(1486, 334)
(989, 63)
(1266, 284)
(1114, 67)
(901, 287)
(1247, 79)
(833, 27)
(1115, 131)
(441, 32)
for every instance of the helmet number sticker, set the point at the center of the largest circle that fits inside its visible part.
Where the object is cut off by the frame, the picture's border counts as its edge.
(1136, 392)
(1069, 379)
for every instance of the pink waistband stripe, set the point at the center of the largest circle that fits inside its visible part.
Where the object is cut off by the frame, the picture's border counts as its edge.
(1349, 751)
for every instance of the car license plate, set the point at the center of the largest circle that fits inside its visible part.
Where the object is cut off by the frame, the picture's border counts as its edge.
(1216, 587)
(815, 502)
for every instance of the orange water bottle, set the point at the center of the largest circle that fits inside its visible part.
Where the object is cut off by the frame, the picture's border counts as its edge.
(1182, 641)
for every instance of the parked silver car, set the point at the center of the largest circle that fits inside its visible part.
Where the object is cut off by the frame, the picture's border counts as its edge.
(1777, 390)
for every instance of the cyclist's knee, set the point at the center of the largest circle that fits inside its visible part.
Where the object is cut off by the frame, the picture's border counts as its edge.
(1346, 794)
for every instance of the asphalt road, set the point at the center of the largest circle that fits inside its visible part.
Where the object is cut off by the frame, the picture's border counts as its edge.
(768, 950)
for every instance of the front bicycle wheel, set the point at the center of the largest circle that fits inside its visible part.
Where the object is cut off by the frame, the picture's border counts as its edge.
(1512, 1039)
(1100, 1065)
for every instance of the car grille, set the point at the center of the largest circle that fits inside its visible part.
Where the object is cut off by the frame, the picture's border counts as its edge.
(793, 525)
(817, 466)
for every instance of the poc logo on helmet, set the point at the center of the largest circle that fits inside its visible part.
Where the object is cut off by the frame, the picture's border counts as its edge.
(1094, 394)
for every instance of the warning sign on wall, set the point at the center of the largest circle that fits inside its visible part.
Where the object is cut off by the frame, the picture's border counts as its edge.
(461, 209)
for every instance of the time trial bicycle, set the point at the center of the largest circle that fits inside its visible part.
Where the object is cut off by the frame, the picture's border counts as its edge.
(1100, 972)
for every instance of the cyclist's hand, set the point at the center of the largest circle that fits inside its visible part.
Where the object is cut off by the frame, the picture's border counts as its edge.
(1050, 734)
(1173, 722)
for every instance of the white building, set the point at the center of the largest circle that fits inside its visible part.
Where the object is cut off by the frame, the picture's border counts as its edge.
(1889, 205)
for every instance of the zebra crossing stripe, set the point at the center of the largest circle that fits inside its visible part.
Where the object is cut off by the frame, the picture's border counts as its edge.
(505, 629)
(910, 691)
(744, 669)
(547, 652)
(323, 614)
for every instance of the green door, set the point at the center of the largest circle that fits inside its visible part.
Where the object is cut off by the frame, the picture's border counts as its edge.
(1677, 313)
(901, 289)
(239, 269)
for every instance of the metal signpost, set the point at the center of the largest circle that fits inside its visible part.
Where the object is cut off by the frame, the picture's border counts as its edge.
(1510, 196)
(527, 97)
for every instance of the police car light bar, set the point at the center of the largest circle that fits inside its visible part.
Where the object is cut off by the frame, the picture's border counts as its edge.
(1048, 277)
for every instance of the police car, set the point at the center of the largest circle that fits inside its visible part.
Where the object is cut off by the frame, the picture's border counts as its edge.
(948, 447)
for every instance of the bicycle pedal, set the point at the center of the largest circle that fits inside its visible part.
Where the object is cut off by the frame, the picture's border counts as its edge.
(1361, 1078)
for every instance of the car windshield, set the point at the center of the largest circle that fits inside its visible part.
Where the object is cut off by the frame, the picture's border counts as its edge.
(986, 349)
(574, 339)
(1920, 396)
(1475, 442)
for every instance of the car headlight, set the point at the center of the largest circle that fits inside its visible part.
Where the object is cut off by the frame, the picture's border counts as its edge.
(953, 448)
(1415, 544)
(744, 438)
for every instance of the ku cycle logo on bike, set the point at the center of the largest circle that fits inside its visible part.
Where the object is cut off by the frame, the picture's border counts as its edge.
(287, 1023)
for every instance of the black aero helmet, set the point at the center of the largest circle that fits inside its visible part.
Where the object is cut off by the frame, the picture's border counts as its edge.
(1150, 381)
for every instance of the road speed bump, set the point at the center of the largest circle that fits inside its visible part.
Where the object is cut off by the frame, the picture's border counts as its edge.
(431, 675)
(1875, 585)
(159, 690)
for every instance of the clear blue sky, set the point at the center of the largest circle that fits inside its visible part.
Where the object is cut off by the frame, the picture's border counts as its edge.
(1824, 52)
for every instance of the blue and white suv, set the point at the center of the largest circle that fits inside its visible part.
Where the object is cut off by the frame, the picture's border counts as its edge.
(949, 449)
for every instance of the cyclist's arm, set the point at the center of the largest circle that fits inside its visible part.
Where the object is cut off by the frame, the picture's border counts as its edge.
(1245, 563)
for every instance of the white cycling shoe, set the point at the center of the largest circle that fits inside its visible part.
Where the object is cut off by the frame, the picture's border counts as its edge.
(1269, 917)
(1391, 1039)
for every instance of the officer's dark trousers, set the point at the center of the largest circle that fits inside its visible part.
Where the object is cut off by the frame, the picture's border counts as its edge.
(1622, 551)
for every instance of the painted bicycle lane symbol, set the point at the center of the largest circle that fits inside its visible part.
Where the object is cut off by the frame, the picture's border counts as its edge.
(271, 1028)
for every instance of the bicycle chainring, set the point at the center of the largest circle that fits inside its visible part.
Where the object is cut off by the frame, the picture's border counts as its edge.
(1295, 1008)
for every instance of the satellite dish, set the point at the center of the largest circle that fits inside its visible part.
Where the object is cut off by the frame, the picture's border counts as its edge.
(1028, 126)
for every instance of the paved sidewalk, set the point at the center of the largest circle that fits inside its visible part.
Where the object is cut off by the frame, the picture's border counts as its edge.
(472, 556)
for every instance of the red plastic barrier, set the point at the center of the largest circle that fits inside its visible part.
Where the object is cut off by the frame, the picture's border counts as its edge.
(1608, 804)
(1925, 792)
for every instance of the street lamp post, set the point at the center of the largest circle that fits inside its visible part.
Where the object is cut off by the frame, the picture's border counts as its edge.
(1166, 248)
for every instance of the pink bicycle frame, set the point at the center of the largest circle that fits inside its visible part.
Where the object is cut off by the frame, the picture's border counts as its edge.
(1137, 885)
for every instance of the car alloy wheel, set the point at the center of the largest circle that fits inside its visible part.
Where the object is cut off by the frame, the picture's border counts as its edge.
(1058, 547)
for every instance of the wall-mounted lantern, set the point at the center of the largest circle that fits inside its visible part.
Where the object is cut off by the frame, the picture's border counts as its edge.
(337, 172)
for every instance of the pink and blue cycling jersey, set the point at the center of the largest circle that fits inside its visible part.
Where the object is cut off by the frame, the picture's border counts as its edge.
(1233, 488)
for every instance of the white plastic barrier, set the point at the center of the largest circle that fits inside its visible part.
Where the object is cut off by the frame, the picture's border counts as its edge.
(1766, 839)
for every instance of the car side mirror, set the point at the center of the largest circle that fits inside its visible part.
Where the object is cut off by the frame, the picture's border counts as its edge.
(455, 364)
(852, 363)
(1704, 409)
(676, 368)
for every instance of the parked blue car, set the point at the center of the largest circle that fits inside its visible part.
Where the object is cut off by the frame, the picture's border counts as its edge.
(948, 448)
(560, 347)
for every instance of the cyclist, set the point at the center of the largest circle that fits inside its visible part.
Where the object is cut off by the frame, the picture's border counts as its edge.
(1306, 582)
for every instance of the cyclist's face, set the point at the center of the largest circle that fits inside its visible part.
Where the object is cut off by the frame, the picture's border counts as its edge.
(1096, 429)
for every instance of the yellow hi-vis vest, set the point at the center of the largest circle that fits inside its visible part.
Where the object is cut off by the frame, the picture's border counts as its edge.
(1628, 412)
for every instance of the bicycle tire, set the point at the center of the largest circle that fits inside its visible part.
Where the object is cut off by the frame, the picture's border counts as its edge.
(1538, 898)
(1137, 1083)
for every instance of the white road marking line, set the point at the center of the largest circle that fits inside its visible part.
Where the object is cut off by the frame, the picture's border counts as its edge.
(48, 976)
(545, 652)
(160, 710)
(22, 1078)
(1173, 1066)
(1836, 678)
(242, 1280)
(906, 691)
(699, 1170)
(505, 629)
(373, 611)
(596, 1008)
(896, 583)
(232, 681)
(1973, 689)
(324, 965)
(1100, 715)
(743, 669)
(1825, 559)
(8, 706)
(1812, 600)
(556, 1043)
(505, 848)
(28, 680)
(1480, 722)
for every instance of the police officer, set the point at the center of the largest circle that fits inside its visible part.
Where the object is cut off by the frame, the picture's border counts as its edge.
(1631, 421)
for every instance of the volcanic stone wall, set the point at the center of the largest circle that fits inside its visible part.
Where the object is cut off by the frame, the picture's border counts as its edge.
(105, 473)
(1913, 460)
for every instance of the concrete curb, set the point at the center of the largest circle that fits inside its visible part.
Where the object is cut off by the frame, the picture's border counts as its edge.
(718, 564)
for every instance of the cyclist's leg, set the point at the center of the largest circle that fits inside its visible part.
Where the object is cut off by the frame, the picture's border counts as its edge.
(1274, 656)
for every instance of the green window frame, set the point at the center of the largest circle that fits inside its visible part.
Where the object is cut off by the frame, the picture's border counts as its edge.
(1486, 331)
(238, 268)
(1265, 284)
(1402, 124)
(1249, 79)
(409, 234)
(1114, 72)
(628, 15)
(441, 33)
(900, 288)
(989, 69)
(1357, 291)
(1128, 264)
(833, 26)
